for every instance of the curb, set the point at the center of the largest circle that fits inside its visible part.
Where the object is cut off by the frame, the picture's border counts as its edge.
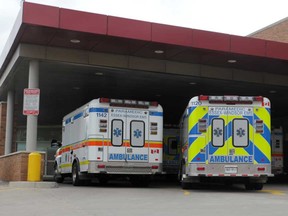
(26, 184)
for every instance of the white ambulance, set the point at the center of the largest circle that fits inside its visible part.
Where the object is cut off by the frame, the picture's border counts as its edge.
(227, 139)
(277, 151)
(111, 137)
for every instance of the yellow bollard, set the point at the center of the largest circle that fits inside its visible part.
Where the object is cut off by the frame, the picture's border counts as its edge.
(34, 167)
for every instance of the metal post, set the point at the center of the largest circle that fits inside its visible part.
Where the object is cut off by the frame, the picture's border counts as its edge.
(32, 120)
(9, 122)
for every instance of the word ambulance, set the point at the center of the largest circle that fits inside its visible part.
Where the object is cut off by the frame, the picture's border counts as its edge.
(226, 138)
(111, 137)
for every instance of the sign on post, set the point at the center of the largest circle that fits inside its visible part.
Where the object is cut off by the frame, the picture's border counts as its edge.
(31, 101)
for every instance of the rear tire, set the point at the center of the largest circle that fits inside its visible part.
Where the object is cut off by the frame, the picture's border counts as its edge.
(254, 186)
(140, 181)
(75, 174)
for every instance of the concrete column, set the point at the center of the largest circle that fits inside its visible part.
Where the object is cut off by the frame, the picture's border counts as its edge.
(32, 121)
(9, 122)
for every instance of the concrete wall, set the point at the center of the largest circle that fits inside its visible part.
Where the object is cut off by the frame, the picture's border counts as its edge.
(14, 167)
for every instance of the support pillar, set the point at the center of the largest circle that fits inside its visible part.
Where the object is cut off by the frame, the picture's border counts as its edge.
(9, 122)
(32, 120)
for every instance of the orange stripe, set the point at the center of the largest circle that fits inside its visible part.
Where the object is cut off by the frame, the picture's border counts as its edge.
(106, 143)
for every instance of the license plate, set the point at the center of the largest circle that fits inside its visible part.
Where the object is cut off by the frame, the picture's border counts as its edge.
(231, 170)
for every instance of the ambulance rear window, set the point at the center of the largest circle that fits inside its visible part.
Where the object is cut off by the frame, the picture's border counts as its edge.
(117, 132)
(217, 132)
(137, 133)
(240, 129)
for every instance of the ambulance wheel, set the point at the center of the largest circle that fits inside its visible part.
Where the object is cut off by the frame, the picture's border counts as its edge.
(186, 185)
(57, 176)
(258, 186)
(75, 175)
(254, 186)
(140, 181)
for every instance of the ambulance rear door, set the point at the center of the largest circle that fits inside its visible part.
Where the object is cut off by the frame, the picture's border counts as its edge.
(231, 133)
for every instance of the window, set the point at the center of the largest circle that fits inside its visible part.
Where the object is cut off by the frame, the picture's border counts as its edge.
(173, 146)
(217, 132)
(240, 129)
(137, 133)
(117, 132)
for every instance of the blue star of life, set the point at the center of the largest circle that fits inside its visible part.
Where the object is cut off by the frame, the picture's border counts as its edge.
(117, 132)
(137, 133)
(217, 132)
(240, 132)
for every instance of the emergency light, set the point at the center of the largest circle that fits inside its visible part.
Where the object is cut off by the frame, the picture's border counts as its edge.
(128, 103)
(230, 99)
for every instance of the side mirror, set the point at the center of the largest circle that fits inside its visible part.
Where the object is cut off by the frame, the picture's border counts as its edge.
(55, 143)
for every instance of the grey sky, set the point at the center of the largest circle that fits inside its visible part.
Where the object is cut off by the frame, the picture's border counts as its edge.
(238, 17)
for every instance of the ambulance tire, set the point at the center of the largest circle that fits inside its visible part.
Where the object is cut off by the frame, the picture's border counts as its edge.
(57, 177)
(75, 175)
(258, 186)
(254, 186)
(140, 181)
(186, 185)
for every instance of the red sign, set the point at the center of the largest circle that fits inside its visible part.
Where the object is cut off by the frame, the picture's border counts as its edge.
(31, 101)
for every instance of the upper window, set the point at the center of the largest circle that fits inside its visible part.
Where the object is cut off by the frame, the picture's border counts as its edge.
(173, 146)
(137, 133)
(240, 129)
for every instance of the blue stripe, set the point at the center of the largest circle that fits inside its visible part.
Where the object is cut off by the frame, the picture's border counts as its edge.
(153, 113)
(268, 110)
(67, 121)
(260, 157)
(191, 140)
(190, 110)
(199, 158)
(93, 109)
(79, 115)
(266, 132)
(249, 148)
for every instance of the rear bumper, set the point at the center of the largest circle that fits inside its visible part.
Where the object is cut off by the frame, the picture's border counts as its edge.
(257, 173)
(124, 168)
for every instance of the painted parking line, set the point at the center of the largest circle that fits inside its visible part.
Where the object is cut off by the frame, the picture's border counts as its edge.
(274, 192)
(186, 193)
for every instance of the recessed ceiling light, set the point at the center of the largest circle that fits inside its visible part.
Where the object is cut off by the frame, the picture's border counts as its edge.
(192, 83)
(99, 73)
(272, 91)
(159, 51)
(232, 61)
(75, 41)
(76, 88)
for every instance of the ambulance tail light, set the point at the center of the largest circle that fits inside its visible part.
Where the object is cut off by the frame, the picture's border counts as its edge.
(200, 168)
(261, 169)
(155, 167)
(259, 126)
(103, 125)
(153, 128)
(202, 125)
(101, 166)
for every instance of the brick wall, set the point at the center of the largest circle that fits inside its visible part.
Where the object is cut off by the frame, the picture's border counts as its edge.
(275, 32)
(14, 167)
(3, 109)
